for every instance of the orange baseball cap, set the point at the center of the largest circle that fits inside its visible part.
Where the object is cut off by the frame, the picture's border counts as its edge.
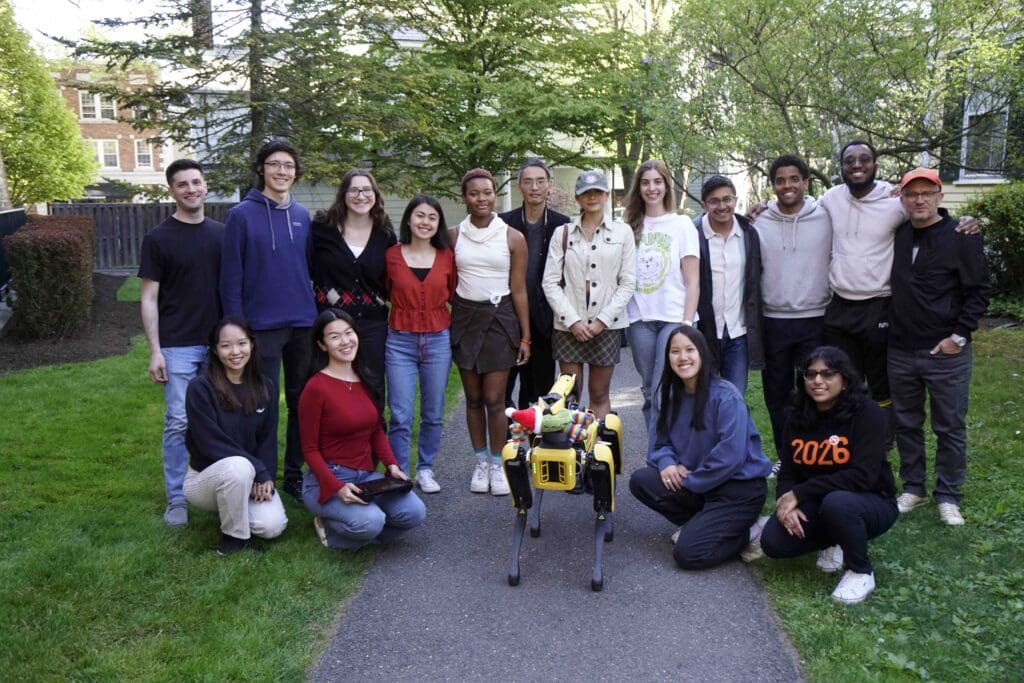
(929, 174)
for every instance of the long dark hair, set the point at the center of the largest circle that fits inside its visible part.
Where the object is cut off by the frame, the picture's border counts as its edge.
(804, 413)
(440, 238)
(320, 358)
(636, 207)
(671, 384)
(338, 211)
(253, 389)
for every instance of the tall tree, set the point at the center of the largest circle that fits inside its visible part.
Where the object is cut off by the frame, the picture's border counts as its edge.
(45, 157)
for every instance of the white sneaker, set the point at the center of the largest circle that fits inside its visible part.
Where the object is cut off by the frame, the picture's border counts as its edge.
(426, 481)
(675, 535)
(853, 587)
(830, 560)
(908, 501)
(950, 514)
(481, 481)
(499, 484)
(753, 550)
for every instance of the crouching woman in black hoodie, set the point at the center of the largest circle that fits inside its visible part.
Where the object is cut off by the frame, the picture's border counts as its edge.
(835, 489)
(232, 440)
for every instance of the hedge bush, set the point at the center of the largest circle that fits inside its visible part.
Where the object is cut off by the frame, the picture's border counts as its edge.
(51, 275)
(1001, 214)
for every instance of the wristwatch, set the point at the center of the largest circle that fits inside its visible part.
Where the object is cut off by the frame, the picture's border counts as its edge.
(958, 340)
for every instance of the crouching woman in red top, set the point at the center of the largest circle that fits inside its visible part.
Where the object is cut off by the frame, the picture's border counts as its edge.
(340, 428)
(835, 488)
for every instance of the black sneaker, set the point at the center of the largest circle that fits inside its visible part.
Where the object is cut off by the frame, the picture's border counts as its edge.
(229, 545)
(293, 487)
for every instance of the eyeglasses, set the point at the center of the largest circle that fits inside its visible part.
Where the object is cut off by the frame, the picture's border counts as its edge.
(811, 375)
(535, 182)
(286, 165)
(863, 159)
(724, 201)
(914, 196)
(356, 191)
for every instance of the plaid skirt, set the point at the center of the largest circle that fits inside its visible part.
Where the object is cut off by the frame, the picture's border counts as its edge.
(602, 350)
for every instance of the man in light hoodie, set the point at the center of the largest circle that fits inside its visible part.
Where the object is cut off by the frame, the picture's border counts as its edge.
(796, 240)
(265, 279)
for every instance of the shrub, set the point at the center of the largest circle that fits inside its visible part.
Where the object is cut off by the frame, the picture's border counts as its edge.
(51, 275)
(1001, 214)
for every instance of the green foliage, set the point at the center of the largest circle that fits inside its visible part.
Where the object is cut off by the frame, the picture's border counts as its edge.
(1007, 306)
(43, 150)
(1001, 214)
(948, 601)
(51, 275)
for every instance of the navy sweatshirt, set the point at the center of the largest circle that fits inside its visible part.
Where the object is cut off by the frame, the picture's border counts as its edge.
(215, 433)
(835, 455)
(728, 447)
(263, 274)
(943, 291)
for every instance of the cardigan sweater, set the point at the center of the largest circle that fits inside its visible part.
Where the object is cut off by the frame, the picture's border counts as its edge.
(419, 305)
(343, 280)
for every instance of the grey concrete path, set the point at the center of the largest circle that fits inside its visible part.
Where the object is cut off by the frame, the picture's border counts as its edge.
(436, 605)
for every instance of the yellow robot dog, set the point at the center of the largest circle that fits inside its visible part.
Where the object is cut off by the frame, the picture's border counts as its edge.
(558, 447)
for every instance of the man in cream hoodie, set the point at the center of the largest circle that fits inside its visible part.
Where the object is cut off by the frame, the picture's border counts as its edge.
(796, 240)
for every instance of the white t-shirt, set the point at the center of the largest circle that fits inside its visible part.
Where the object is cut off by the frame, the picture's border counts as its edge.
(660, 292)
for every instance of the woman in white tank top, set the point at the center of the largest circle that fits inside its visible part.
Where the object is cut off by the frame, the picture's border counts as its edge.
(490, 329)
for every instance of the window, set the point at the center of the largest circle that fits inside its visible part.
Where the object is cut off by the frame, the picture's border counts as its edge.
(143, 154)
(985, 126)
(94, 106)
(106, 153)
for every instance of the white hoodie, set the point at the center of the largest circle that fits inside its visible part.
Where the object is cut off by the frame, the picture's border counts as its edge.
(795, 260)
(862, 238)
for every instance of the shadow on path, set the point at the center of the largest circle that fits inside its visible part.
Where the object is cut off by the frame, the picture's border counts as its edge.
(437, 606)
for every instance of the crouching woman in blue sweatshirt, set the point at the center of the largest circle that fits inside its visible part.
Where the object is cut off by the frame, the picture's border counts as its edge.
(835, 488)
(705, 468)
(232, 440)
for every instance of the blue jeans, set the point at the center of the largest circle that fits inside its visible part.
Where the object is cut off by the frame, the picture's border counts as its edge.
(735, 363)
(647, 342)
(350, 526)
(409, 355)
(183, 364)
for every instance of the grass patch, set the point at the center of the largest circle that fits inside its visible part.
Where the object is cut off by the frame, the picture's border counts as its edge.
(97, 588)
(950, 601)
(130, 290)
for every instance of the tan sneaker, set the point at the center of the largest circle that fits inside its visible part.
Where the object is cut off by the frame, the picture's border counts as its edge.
(908, 501)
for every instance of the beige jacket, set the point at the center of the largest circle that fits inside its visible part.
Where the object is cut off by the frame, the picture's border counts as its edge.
(607, 264)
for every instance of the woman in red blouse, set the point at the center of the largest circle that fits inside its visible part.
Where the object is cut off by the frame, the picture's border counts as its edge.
(420, 281)
(341, 430)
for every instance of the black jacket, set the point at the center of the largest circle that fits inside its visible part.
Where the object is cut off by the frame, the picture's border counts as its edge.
(751, 295)
(540, 311)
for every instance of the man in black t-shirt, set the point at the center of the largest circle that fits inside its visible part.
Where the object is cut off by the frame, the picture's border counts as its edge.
(180, 271)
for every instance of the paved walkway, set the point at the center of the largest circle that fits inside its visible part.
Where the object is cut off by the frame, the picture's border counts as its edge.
(437, 606)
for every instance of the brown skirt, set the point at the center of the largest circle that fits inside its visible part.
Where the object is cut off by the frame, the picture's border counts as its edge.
(602, 350)
(485, 337)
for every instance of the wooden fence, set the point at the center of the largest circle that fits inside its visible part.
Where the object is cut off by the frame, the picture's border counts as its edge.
(121, 227)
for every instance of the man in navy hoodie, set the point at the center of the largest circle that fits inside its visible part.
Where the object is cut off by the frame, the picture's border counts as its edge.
(264, 278)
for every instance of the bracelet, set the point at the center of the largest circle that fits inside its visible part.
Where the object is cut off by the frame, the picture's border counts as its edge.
(525, 341)
(688, 323)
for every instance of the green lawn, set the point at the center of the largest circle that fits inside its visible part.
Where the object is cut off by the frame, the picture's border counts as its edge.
(95, 587)
(949, 602)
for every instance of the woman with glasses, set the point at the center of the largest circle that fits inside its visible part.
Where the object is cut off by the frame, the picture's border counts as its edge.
(729, 306)
(835, 489)
(588, 279)
(667, 274)
(346, 263)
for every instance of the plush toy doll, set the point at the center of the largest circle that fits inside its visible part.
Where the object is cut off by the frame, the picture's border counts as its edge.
(533, 420)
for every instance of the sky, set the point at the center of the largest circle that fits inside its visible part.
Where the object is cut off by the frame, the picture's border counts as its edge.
(66, 18)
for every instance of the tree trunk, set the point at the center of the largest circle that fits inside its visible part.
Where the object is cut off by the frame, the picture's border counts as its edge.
(5, 197)
(257, 98)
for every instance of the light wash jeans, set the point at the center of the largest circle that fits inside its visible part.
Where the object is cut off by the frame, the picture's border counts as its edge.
(225, 487)
(647, 342)
(408, 356)
(350, 526)
(183, 364)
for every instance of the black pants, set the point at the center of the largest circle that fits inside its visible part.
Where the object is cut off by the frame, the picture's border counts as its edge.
(787, 343)
(861, 329)
(373, 338)
(844, 518)
(291, 347)
(535, 378)
(716, 524)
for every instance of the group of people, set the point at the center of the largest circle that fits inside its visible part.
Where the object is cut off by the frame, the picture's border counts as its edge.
(358, 316)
